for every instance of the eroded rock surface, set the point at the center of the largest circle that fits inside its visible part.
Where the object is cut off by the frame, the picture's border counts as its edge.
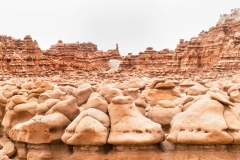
(69, 104)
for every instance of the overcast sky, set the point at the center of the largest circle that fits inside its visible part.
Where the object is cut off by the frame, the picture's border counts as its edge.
(133, 24)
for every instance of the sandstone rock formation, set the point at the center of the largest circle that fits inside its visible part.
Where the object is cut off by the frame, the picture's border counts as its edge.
(161, 91)
(84, 118)
(216, 50)
(129, 127)
(181, 104)
(91, 126)
(201, 123)
(24, 57)
(163, 112)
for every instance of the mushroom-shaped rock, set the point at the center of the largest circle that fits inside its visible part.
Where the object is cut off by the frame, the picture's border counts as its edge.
(166, 85)
(132, 92)
(202, 123)
(20, 113)
(67, 107)
(155, 82)
(163, 112)
(40, 129)
(82, 93)
(96, 101)
(152, 96)
(109, 93)
(129, 126)
(130, 84)
(89, 128)
(141, 104)
(57, 93)
(196, 90)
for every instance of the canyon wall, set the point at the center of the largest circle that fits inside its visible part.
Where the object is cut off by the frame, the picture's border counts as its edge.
(216, 49)
(104, 115)
(24, 57)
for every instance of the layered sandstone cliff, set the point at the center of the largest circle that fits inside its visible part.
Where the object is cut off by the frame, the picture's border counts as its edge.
(24, 57)
(216, 49)
(104, 115)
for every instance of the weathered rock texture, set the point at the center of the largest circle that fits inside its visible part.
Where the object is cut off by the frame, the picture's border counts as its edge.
(20, 57)
(118, 115)
(45, 119)
(216, 49)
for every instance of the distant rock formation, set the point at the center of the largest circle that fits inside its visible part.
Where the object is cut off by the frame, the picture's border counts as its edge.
(235, 14)
(216, 49)
(24, 57)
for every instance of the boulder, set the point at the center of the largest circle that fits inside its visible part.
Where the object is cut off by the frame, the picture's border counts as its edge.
(96, 101)
(42, 108)
(82, 93)
(202, 123)
(89, 128)
(44, 96)
(57, 93)
(40, 129)
(155, 82)
(221, 98)
(132, 92)
(68, 107)
(109, 93)
(141, 104)
(20, 113)
(196, 90)
(129, 126)
(152, 96)
(163, 112)
(130, 84)
(166, 85)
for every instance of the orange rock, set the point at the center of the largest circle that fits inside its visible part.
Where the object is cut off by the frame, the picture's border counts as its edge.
(129, 126)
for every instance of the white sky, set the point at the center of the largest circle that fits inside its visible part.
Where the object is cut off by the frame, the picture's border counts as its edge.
(133, 24)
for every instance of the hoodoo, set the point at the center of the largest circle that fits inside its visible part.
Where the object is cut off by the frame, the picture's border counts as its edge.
(74, 101)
